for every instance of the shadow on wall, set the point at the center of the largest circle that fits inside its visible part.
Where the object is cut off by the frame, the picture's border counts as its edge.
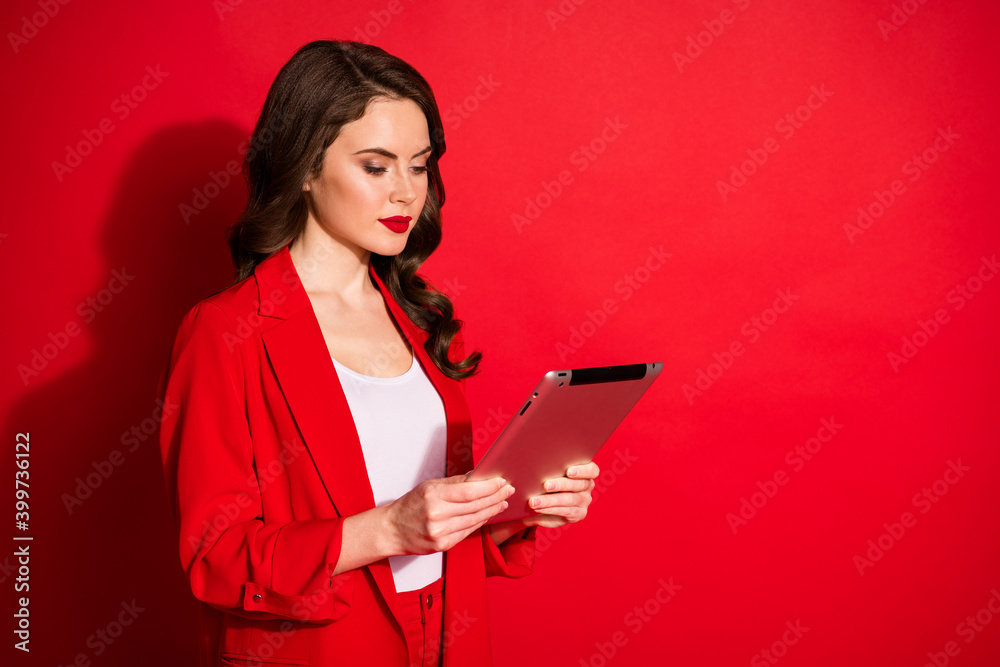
(106, 579)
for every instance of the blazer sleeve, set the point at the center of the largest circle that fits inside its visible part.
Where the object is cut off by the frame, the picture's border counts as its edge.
(231, 556)
(514, 558)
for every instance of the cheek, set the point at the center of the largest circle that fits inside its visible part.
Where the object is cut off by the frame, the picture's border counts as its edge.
(358, 193)
(422, 196)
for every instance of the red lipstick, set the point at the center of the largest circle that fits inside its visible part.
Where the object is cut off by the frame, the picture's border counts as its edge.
(397, 223)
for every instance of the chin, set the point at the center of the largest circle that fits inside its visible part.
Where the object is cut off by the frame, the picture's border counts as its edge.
(391, 248)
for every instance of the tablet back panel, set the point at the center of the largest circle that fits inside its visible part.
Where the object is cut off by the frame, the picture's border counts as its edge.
(565, 421)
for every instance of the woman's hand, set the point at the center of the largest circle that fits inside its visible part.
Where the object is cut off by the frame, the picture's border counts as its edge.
(566, 499)
(439, 513)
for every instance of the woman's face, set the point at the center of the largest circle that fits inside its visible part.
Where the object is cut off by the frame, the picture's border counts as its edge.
(375, 169)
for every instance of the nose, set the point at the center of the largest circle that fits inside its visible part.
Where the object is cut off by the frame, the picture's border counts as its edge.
(404, 191)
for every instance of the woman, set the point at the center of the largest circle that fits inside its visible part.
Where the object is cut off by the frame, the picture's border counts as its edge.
(316, 463)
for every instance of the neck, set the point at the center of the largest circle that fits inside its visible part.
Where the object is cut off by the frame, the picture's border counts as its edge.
(328, 267)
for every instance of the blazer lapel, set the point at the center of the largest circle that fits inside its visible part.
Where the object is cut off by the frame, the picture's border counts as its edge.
(301, 361)
(308, 379)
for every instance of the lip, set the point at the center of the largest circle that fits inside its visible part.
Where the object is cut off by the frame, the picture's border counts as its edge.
(397, 223)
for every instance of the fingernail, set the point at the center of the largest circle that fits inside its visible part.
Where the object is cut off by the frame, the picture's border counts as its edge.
(572, 471)
(549, 486)
(535, 502)
(503, 482)
(503, 505)
(510, 492)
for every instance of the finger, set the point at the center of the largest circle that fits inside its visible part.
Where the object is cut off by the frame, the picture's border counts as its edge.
(469, 522)
(454, 479)
(566, 484)
(584, 471)
(463, 479)
(545, 521)
(465, 508)
(550, 500)
(462, 491)
(569, 514)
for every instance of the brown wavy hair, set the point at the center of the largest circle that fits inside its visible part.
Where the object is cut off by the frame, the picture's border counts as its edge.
(325, 85)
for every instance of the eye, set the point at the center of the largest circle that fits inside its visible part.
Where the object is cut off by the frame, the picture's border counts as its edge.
(419, 170)
(375, 169)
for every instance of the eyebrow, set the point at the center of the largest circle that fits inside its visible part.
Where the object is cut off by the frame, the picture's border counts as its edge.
(389, 154)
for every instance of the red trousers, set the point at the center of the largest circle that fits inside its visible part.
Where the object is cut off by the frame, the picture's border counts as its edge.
(423, 611)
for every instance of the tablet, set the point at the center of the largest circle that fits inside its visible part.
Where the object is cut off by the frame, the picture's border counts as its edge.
(565, 421)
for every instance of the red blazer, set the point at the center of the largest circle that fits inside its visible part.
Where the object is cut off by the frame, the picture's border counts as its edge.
(262, 463)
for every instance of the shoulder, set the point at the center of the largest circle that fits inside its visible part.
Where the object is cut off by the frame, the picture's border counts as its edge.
(273, 285)
(236, 300)
(221, 312)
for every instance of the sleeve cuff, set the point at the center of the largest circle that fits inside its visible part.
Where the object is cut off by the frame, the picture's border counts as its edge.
(515, 558)
(330, 604)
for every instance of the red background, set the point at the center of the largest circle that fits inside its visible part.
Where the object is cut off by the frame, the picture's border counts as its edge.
(681, 128)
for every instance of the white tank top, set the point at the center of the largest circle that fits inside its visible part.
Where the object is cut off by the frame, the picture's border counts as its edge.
(403, 431)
